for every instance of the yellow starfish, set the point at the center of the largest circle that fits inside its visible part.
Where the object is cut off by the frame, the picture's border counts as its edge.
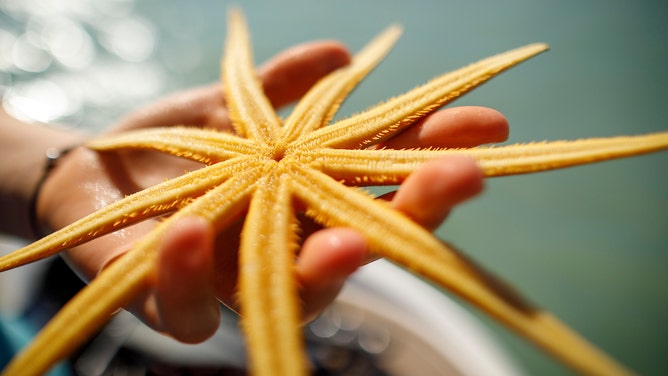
(270, 166)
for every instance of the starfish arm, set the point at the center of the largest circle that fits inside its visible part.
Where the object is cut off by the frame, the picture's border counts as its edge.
(251, 112)
(370, 167)
(543, 156)
(319, 105)
(396, 237)
(118, 284)
(82, 316)
(386, 119)
(151, 202)
(201, 145)
(267, 284)
(262, 174)
(392, 166)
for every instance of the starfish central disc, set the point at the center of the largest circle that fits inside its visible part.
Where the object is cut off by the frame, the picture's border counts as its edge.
(268, 165)
(278, 151)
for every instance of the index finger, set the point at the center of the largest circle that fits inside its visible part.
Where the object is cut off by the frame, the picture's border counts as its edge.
(454, 127)
(286, 77)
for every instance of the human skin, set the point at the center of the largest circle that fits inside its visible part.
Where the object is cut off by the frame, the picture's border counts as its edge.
(197, 266)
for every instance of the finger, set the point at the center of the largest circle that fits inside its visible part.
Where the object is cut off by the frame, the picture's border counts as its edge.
(454, 127)
(326, 259)
(288, 76)
(430, 193)
(185, 296)
(198, 106)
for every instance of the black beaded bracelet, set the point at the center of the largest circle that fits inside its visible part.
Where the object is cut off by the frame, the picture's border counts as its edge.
(52, 157)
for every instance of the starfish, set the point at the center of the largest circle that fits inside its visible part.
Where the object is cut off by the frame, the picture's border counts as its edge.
(305, 163)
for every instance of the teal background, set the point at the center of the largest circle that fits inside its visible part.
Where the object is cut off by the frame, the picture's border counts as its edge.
(589, 244)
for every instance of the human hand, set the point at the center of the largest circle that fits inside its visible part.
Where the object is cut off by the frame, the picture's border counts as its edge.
(197, 267)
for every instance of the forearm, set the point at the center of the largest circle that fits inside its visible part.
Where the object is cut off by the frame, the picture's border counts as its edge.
(23, 149)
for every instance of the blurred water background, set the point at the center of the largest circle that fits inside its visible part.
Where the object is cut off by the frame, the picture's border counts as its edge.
(589, 244)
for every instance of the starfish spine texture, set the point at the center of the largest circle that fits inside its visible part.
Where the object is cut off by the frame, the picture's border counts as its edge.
(270, 166)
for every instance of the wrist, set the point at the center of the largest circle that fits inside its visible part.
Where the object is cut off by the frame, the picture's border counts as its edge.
(52, 158)
(24, 146)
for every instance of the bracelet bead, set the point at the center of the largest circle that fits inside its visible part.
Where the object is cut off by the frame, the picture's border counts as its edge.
(52, 156)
